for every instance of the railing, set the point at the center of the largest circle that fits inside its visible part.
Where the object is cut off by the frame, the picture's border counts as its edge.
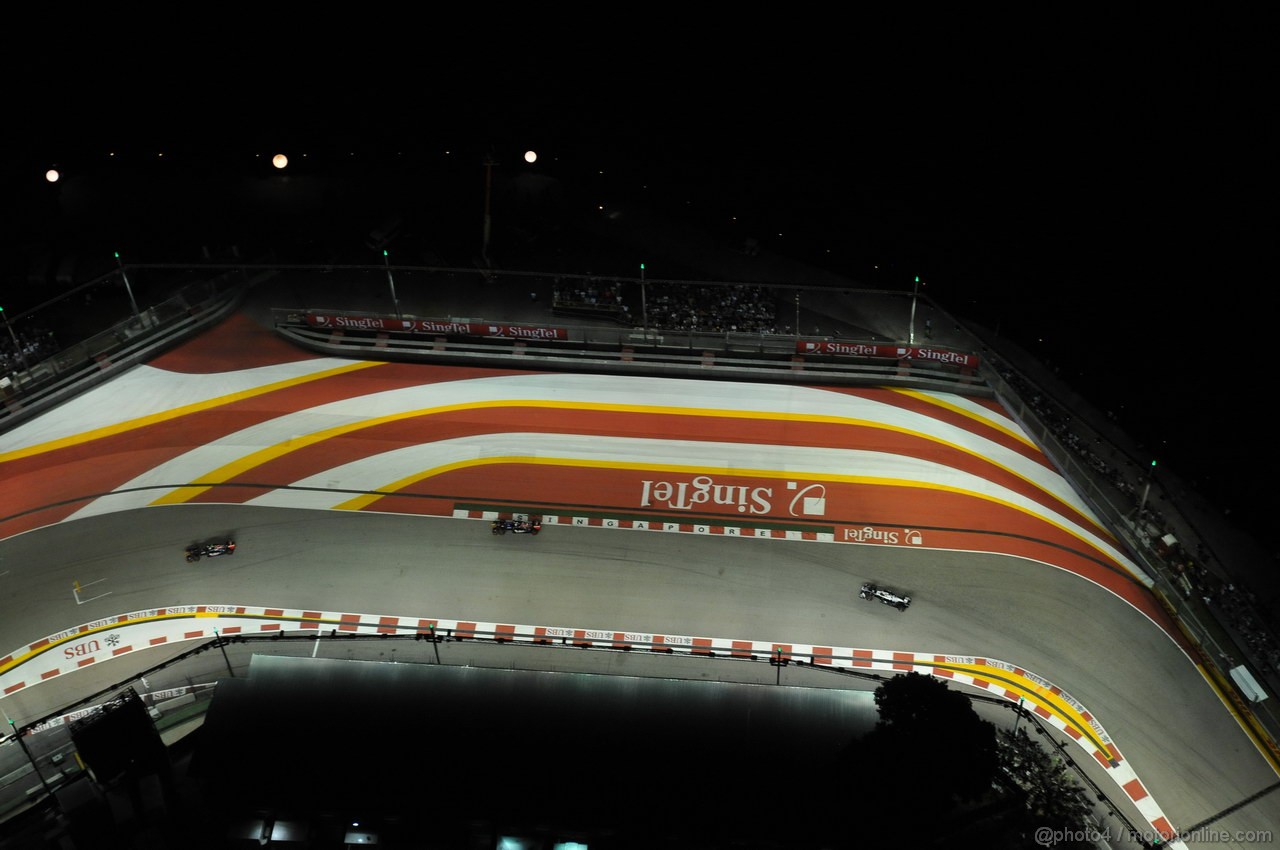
(38, 774)
(728, 355)
(49, 382)
(756, 356)
(1121, 515)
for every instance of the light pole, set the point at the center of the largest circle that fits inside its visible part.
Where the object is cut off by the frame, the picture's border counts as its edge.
(434, 643)
(222, 645)
(17, 736)
(911, 330)
(386, 260)
(644, 304)
(489, 163)
(1145, 490)
(127, 287)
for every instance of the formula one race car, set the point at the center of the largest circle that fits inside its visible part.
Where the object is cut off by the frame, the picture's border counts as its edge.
(532, 525)
(209, 550)
(888, 597)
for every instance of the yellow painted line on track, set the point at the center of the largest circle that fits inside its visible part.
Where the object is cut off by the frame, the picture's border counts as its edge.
(19, 660)
(270, 453)
(255, 459)
(1034, 692)
(1012, 681)
(968, 414)
(179, 412)
(737, 471)
(1261, 740)
(365, 500)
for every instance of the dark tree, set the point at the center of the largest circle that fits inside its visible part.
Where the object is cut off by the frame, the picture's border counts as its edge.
(1039, 780)
(941, 748)
(929, 752)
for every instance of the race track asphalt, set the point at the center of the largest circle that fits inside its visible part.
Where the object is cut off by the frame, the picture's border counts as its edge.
(1115, 657)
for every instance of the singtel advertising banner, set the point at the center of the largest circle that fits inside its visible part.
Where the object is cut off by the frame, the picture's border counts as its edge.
(432, 326)
(894, 352)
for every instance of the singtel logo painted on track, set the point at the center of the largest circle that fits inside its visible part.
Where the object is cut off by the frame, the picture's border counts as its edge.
(871, 534)
(702, 491)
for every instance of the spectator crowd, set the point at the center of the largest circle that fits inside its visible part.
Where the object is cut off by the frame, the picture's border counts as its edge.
(589, 297)
(1235, 606)
(736, 308)
(24, 348)
(730, 308)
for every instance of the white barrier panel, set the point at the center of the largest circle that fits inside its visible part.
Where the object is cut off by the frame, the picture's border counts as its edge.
(1247, 684)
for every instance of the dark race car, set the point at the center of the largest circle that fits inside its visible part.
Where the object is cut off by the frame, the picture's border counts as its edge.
(888, 597)
(196, 551)
(532, 525)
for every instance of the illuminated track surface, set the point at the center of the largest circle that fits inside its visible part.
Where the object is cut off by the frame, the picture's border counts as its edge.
(935, 495)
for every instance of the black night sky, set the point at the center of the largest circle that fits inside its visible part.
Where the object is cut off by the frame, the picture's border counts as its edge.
(1101, 194)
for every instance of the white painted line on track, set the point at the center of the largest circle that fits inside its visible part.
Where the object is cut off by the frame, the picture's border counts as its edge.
(76, 587)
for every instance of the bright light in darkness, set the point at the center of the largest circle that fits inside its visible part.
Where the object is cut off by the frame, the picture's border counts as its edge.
(279, 160)
(510, 842)
(52, 175)
(530, 156)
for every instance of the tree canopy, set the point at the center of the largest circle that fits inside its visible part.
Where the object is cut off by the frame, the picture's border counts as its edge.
(929, 752)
